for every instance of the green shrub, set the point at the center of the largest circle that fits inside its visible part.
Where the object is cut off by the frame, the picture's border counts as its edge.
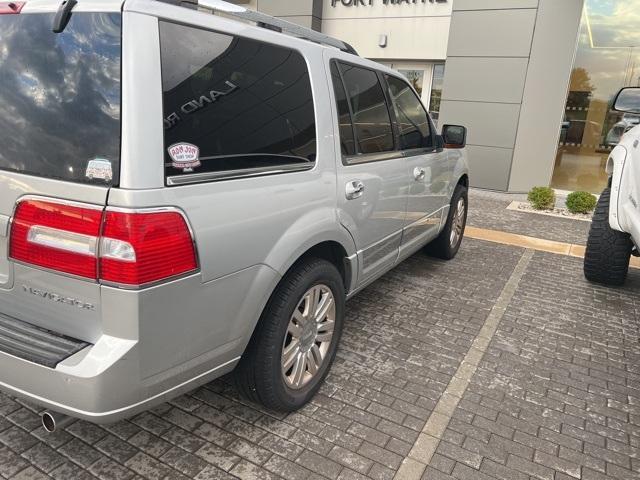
(581, 202)
(542, 198)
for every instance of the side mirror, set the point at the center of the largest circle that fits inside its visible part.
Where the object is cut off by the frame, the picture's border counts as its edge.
(454, 136)
(628, 100)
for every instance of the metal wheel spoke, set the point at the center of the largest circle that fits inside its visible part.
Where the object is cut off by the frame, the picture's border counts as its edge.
(289, 355)
(294, 329)
(325, 331)
(299, 369)
(309, 305)
(323, 308)
(299, 317)
(314, 359)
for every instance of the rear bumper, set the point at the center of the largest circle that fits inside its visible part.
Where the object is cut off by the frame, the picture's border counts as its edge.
(106, 394)
(155, 344)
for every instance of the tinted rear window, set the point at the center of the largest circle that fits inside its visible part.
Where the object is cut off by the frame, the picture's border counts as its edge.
(233, 103)
(60, 97)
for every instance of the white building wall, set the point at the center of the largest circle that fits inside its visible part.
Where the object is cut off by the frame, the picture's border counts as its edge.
(415, 31)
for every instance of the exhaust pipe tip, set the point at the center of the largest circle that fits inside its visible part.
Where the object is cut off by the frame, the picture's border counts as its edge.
(52, 421)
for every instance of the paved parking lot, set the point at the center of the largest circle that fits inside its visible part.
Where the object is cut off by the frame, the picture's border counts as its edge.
(548, 389)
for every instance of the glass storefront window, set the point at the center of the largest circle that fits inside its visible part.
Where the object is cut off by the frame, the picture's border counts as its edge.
(436, 91)
(415, 77)
(607, 59)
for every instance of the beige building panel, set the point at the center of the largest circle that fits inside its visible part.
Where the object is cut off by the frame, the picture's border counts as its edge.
(289, 8)
(545, 93)
(493, 4)
(488, 124)
(407, 38)
(489, 167)
(492, 33)
(495, 80)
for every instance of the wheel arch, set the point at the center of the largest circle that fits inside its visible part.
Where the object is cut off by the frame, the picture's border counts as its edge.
(464, 180)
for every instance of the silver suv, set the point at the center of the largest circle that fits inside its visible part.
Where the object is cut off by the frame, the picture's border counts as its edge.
(183, 193)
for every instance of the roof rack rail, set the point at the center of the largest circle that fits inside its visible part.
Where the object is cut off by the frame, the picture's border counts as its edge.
(266, 21)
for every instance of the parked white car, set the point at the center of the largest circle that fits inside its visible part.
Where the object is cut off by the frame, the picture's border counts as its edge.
(615, 231)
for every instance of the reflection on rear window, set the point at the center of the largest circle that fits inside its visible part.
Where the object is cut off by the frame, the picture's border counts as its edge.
(233, 104)
(60, 97)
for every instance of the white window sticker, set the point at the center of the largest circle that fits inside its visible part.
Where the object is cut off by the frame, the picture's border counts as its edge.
(184, 156)
(99, 169)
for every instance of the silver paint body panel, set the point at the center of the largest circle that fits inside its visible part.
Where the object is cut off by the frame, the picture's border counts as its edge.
(152, 344)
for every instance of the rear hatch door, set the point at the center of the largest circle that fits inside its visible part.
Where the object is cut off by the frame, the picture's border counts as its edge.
(60, 127)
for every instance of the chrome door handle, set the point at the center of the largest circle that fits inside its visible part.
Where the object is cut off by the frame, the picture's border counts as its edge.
(419, 173)
(354, 190)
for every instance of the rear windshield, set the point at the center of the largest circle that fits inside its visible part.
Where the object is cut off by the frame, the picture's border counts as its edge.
(60, 97)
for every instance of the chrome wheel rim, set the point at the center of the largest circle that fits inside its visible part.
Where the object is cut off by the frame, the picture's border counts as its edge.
(308, 336)
(457, 227)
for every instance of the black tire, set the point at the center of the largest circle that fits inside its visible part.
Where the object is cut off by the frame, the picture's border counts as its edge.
(259, 375)
(606, 259)
(442, 247)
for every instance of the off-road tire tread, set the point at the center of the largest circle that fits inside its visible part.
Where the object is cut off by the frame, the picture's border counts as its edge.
(608, 252)
(441, 247)
(251, 374)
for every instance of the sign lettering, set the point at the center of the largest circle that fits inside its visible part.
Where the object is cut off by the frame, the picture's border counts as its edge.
(370, 3)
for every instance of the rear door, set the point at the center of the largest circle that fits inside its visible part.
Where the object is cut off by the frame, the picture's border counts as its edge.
(372, 176)
(59, 139)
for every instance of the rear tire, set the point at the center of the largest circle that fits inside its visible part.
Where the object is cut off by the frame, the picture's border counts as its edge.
(289, 331)
(606, 259)
(447, 244)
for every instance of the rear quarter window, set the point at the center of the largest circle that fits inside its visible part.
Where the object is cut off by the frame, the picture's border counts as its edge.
(233, 106)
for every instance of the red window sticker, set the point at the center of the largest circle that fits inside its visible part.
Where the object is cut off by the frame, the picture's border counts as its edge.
(184, 156)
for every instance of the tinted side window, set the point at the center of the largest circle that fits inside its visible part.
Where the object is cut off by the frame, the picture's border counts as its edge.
(413, 121)
(370, 113)
(347, 142)
(241, 103)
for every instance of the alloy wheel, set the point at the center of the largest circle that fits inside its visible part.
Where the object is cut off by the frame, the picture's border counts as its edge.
(458, 223)
(308, 336)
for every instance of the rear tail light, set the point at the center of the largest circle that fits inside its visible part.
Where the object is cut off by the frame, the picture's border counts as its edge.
(58, 236)
(123, 247)
(139, 248)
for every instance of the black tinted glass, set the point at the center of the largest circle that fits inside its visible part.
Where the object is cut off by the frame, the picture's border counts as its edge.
(347, 142)
(369, 107)
(60, 96)
(413, 122)
(233, 103)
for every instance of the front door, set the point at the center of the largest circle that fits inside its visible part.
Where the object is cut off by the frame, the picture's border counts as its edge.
(426, 163)
(372, 177)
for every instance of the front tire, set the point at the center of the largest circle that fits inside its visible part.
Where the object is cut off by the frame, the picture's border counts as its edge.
(606, 259)
(295, 342)
(447, 244)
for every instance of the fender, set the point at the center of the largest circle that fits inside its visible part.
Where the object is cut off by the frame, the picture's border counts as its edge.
(315, 227)
(460, 168)
(615, 168)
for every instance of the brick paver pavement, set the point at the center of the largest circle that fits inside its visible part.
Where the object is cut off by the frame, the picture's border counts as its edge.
(489, 210)
(555, 396)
